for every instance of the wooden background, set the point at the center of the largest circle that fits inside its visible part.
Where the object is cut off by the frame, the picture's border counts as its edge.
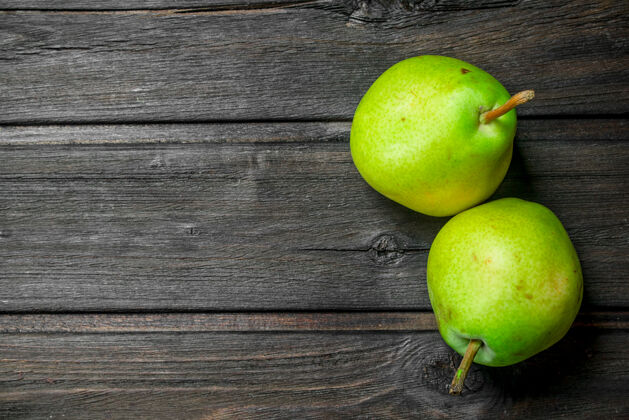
(183, 233)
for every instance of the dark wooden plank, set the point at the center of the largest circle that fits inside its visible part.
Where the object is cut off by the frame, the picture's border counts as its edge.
(234, 133)
(255, 322)
(182, 6)
(305, 62)
(245, 322)
(301, 375)
(187, 5)
(242, 219)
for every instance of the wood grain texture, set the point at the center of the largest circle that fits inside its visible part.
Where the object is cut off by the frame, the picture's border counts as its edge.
(193, 237)
(255, 322)
(240, 219)
(301, 375)
(310, 61)
(182, 6)
(196, 5)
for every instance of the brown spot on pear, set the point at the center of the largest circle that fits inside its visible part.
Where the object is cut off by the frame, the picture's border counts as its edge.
(560, 284)
(448, 315)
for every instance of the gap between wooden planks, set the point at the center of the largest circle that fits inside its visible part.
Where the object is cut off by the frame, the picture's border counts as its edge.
(255, 321)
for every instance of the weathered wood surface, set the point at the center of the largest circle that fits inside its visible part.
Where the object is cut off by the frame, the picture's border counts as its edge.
(305, 61)
(184, 6)
(256, 322)
(301, 375)
(265, 217)
(181, 6)
(198, 232)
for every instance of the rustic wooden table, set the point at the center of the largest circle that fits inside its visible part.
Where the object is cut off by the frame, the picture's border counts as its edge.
(183, 233)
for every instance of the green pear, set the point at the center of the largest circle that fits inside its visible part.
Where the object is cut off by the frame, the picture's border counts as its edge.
(435, 134)
(504, 281)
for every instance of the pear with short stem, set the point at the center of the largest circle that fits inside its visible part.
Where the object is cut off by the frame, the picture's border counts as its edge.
(435, 134)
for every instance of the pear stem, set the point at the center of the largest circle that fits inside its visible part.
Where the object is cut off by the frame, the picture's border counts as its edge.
(461, 373)
(517, 99)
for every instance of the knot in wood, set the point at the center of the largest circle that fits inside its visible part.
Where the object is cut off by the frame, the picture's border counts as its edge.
(385, 250)
(367, 12)
(193, 231)
(437, 374)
